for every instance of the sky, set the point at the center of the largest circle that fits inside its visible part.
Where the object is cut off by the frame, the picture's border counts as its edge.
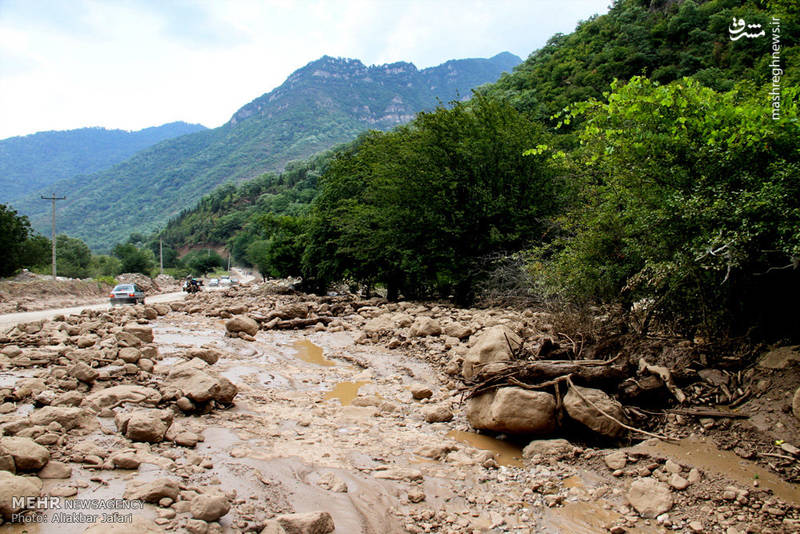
(68, 64)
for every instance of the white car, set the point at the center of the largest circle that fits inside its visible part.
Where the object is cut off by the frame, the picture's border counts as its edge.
(213, 282)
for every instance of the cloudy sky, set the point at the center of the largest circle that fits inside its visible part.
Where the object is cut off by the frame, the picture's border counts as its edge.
(131, 64)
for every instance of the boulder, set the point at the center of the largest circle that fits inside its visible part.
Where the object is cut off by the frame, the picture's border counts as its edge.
(308, 523)
(439, 413)
(457, 330)
(83, 372)
(421, 391)
(144, 425)
(425, 326)
(129, 354)
(162, 309)
(615, 460)
(144, 333)
(27, 454)
(208, 355)
(552, 448)
(87, 340)
(197, 381)
(591, 417)
(126, 339)
(117, 395)
(209, 507)
(152, 491)
(241, 323)
(68, 417)
(490, 347)
(650, 497)
(513, 410)
(379, 325)
(55, 470)
(297, 310)
(16, 486)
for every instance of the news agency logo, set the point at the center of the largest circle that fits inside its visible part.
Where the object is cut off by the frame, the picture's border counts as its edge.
(738, 29)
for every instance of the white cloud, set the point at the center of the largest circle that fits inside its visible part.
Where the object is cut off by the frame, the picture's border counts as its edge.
(136, 64)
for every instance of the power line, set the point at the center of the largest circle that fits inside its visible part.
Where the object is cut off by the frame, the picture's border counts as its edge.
(53, 199)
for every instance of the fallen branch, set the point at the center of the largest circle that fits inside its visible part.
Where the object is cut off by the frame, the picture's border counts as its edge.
(620, 423)
(708, 413)
(665, 376)
(290, 324)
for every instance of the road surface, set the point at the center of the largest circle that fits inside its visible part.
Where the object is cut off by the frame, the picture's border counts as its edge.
(10, 319)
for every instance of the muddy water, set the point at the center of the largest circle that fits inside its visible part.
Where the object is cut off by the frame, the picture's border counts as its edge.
(505, 453)
(311, 353)
(345, 391)
(705, 456)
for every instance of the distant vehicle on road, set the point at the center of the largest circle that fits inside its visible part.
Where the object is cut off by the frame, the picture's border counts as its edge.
(234, 281)
(225, 281)
(126, 294)
(213, 282)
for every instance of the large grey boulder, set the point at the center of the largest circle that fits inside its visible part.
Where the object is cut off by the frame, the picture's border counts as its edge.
(491, 346)
(241, 323)
(197, 381)
(583, 412)
(71, 418)
(126, 393)
(513, 410)
(650, 497)
(308, 523)
(152, 491)
(144, 425)
(27, 454)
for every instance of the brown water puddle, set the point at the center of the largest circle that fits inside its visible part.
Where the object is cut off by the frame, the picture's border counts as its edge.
(705, 456)
(311, 353)
(345, 391)
(587, 518)
(505, 453)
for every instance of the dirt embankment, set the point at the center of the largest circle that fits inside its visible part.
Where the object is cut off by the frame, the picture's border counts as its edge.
(32, 292)
(257, 409)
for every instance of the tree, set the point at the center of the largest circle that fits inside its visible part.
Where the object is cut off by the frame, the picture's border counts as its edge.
(37, 253)
(14, 231)
(690, 201)
(133, 259)
(73, 257)
(203, 261)
(102, 265)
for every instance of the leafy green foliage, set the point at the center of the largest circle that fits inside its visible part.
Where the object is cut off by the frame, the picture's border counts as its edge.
(689, 200)
(14, 232)
(663, 40)
(73, 257)
(418, 208)
(327, 102)
(203, 261)
(133, 259)
(102, 266)
(35, 161)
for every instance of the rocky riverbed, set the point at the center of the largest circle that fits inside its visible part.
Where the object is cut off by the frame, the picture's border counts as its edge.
(256, 409)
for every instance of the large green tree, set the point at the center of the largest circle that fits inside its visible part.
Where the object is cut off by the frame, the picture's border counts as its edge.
(133, 259)
(73, 256)
(690, 200)
(14, 231)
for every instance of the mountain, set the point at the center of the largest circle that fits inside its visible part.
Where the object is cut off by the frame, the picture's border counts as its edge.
(29, 163)
(327, 102)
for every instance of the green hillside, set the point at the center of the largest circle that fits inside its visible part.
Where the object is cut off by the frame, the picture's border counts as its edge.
(327, 102)
(29, 163)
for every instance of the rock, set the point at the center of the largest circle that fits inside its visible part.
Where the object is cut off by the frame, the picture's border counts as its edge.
(439, 413)
(694, 476)
(554, 448)
(331, 482)
(514, 410)
(435, 452)
(129, 354)
(297, 310)
(796, 403)
(83, 372)
(672, 466)
(589, 416)
(241, 323)
(55, 470)
(150, 313)
(379, 325)
(308, 523)
(162, 309)
(696, 526)
(186, 439)
(144, 333)
(16, 486)
(12, 351)
(416, 495)
(196, 526)
(210, 356)
(69, 418)
(126, 339)
(425, 326)
(399, 473)
(209, 507)
(457, 330)
(153, 491)
(27, 454)
(678, 482)
(421, 391)
(650, 497)
(615, 460)
(69, 398)
(715, 377)
(125, 460)
(491, 346)
(87, 340)
(117, 395)
(199, 383)
(144, 425)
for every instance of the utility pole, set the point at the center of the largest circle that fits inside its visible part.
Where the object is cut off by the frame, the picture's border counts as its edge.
(53, 241)
(161, 255)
